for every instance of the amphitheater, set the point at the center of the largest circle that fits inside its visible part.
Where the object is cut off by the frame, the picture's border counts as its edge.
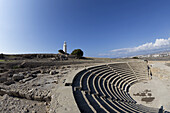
(110, 88)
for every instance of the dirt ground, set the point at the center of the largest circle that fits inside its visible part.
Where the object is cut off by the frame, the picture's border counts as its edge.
(154, 92)
(37, 86)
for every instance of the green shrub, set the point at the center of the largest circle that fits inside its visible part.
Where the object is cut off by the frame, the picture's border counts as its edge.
(78, 53)
(1, 56)
(61, 51)
(135, 57)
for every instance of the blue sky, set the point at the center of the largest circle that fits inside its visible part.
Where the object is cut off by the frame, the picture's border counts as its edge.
(101, 28)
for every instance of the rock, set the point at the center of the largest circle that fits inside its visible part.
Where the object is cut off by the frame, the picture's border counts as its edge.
(27, 79)
(37, 84)
(64, 80)
(2, 91)
(21, 93)
(28, 75)
(10, 75)
(5, 97)
(42, 71)
(35, 72)
(3, 79)
(53, 59)
(17, 99)
(68, 66)
(18, 77)
(9, 82)
(45, 103)
(22, 73)
(47, 82)
(56, 67)
(63, 67)
(47, 71)
(53, 72)
(64, 72)
(34, 75)
(55, 82)
(28, 96)
(38, 98)
(47, 97)
(22, 65)
(3, 70)
(11, 107)
(25, 110)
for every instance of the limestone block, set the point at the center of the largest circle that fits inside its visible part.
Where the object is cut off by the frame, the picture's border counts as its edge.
(18, 77)
(3, 79)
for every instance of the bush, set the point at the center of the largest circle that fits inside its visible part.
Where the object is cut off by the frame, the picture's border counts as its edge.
(61, 51)
(1, 56)
(78, 53)
(135, 57)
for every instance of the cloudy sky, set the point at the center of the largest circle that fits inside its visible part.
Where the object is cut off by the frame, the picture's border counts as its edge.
(101, 28)
(159, 45)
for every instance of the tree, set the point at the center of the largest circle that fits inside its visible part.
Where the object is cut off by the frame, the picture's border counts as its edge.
(78, 53)
(61, 51)
(1, 56)
(135, 57)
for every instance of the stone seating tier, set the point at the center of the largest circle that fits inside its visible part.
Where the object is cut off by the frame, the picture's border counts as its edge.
(105, 88)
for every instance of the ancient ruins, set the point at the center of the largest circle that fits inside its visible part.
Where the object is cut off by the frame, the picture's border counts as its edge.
(52, 84)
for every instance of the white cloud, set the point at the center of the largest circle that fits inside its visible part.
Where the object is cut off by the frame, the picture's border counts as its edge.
(157, 46)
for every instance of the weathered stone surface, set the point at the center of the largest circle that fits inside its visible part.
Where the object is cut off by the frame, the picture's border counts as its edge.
(9, 82)
(22, 65)
(34, 112)
(26, 79)
(53, 72)
(31, 94)
(68, 66)
(10, 104)
(10, 75)
(18, 77)
(5, 97)
(3, 79)
(42, 71)
(35, 72)
(28, 75)
(47, 71)
(2, 91)
(64, 72)
(56, 82)
(2, 70)
(34, 75)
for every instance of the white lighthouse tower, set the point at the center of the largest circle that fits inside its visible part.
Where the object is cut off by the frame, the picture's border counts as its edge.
(65, 47)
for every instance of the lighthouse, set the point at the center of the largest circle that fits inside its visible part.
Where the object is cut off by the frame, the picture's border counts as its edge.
(65, 47)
